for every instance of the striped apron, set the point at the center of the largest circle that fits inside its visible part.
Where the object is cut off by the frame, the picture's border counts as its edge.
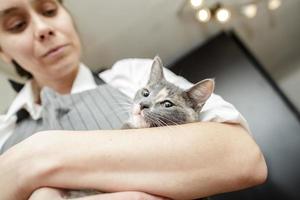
(104, 107)
(100, 108)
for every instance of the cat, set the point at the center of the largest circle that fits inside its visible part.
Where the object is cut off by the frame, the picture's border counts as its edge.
(161, 103)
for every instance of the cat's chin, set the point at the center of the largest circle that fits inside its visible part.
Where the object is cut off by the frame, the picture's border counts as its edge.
(138, 121)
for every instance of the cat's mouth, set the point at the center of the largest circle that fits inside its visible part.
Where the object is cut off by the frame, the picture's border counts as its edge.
(140, 121)
(139, 117)
(137, 111)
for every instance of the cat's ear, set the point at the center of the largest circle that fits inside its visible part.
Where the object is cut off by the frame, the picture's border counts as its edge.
(201, 91)
(156, 74)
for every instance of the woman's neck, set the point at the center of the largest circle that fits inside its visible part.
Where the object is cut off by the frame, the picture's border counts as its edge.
(61, 85)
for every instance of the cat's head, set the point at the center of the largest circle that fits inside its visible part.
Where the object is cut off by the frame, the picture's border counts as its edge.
(162, 103)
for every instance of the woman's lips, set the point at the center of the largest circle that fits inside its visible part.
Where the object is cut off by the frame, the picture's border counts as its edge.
(55, 51)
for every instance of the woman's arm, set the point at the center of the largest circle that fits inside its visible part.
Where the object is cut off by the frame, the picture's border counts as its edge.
(181, 162)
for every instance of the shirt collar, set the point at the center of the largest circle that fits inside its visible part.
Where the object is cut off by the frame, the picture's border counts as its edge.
(26, 97)
(84, 80)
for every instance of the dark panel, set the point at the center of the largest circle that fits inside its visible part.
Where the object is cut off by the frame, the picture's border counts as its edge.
(241, 80)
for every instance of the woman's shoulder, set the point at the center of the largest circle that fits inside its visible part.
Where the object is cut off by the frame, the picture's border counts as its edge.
(130, 69)
(131, 66)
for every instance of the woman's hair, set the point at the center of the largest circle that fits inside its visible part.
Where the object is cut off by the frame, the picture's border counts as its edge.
(21, 72)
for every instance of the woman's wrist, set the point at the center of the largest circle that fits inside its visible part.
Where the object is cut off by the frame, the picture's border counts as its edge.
(16, 174)
(28, 164)
(42, 159)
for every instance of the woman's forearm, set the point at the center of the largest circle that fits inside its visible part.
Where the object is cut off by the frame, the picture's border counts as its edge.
(18, 172)
(186, 161)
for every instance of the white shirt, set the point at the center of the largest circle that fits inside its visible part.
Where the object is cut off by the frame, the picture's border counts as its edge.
(128, 76)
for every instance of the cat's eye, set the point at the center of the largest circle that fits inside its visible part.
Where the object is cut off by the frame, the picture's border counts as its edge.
(145, 93)
(167, 104)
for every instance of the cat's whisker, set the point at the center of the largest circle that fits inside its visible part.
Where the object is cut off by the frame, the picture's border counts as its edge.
(163, 123)
(159, 121)
(122, 104)
(173, 123)
(155, 121)
(127, 108)
(171, 128)
(169, 120)
(120, 110)
(123, 107)
(113, 114)
(154, 117)
(122, 98)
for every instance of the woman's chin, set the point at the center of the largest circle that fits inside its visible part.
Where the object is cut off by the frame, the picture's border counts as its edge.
(61, 68)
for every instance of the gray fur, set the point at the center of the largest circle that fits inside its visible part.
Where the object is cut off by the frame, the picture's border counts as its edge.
(186, 104)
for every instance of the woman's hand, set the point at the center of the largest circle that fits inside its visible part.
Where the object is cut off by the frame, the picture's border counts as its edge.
(47, 194)
(9, 181)
(56, 194)
(22, 169)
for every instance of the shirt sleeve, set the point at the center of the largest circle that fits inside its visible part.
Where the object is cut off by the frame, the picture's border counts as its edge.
(129, 75)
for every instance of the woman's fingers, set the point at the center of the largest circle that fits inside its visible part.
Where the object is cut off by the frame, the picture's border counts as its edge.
(47, 194)
(131, 195)
(57, 194)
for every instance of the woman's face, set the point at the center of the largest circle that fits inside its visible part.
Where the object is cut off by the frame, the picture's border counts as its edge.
(40, 36)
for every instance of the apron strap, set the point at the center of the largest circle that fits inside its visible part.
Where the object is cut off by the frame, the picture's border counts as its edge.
(98, 80)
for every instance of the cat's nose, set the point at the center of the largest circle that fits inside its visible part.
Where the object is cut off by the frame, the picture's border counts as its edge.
(144, 106)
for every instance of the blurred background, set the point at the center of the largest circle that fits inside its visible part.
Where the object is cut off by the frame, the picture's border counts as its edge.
(112, 30)
(251, 47)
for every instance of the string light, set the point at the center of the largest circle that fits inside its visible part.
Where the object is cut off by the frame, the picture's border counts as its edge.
(196, 3)
(204, 15)
(223, 15)
(274, 4)
(250, 10)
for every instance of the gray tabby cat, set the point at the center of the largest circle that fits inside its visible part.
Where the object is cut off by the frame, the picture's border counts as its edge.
(161, 103)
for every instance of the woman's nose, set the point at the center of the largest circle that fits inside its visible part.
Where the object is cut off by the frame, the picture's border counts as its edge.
(43, 30)
(45, 35)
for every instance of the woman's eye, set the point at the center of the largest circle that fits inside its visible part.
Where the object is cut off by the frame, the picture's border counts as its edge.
(49, 8)
(50, 12)
(167, 104)
(145, 93)
(18, 27)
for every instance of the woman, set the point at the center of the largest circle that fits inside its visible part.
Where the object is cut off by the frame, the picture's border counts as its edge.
(39, 35)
